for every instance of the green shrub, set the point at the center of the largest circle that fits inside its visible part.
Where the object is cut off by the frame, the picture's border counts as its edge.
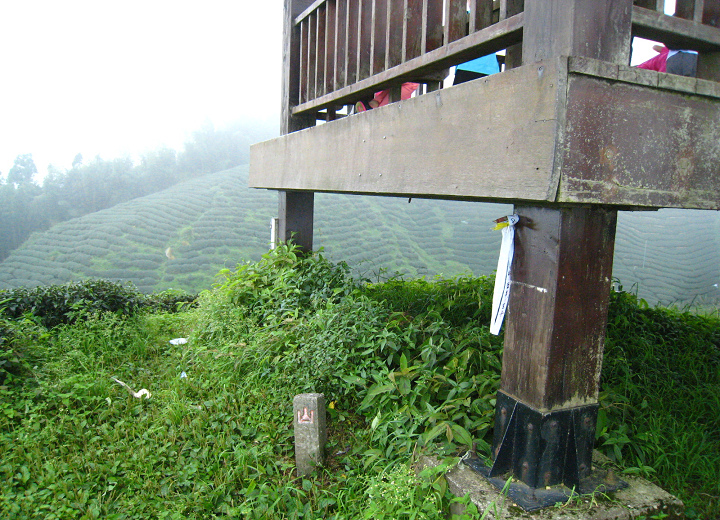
(57, 304)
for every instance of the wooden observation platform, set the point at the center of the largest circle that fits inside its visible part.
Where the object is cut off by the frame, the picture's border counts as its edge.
(568, 132)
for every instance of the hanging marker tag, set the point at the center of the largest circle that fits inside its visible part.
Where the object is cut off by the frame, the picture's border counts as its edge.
(502, 276)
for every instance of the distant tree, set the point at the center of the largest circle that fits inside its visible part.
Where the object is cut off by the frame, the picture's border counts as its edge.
(23, 170)
(77, 161)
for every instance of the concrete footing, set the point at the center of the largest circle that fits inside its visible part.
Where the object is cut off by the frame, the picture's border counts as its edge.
(640, 499)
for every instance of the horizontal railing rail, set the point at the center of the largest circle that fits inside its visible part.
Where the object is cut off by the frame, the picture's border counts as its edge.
(350, 49)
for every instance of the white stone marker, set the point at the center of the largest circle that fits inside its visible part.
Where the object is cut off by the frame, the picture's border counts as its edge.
(310, 433)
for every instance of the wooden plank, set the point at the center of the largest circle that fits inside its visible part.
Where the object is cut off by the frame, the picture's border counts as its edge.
(555, 325)
(320, 52)
(413, 29)
(638, 76)
(640, 146)
(433, 25)
(365, 33)
(456, 20)
(396, 16)
(312, 56)
(480, 14)
(330, 44)
(304, 67)
(497, 36)
(341, 29)
(381, 151)
(674, 31)
(353, 44)
(379, 36)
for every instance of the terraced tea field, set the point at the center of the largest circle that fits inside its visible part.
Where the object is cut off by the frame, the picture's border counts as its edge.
(181, 237)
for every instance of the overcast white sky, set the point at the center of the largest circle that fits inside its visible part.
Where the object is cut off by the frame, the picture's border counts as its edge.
(111, 77)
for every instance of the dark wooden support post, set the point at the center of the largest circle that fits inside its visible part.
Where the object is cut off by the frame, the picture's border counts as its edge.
(546, 408)
(295, 209)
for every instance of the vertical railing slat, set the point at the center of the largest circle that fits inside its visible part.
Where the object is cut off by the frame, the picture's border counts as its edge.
(396, 16)
(433, 25)
(480, 14)
(353, 19)
(379, 36)
(341, 25)
(413, 30)
(304, 67)
(330, 45)
(320, 58)
(685, 9)
(456, 20)
(312, 56)
(364, 38)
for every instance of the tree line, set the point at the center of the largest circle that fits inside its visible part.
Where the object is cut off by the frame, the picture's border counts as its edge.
(88, 186)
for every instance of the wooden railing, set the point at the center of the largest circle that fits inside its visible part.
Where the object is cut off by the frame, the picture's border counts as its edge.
(694, 26)
(349, 49)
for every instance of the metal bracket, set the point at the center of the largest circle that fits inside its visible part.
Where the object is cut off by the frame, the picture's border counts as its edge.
(549, 455)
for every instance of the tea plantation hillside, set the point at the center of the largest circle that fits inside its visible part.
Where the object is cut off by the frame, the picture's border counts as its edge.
(179, 237)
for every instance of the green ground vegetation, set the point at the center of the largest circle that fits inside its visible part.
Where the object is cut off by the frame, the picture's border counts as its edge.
(407, 367)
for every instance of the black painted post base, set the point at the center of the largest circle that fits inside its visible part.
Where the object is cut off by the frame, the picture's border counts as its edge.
(548, 455)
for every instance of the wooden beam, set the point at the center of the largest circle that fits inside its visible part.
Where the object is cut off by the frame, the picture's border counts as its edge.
(620, 150)
(675, 31)
(588, 28)
(428, 145)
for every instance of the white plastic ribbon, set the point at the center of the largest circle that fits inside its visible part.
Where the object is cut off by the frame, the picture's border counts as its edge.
(502, 275)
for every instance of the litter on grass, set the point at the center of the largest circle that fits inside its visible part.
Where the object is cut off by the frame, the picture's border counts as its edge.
(178, 341)
(138, 395)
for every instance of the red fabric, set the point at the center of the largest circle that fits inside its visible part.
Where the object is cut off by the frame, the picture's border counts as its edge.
(383, 97)
(658, 63)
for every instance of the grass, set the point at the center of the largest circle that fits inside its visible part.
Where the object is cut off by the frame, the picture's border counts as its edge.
(408, 367)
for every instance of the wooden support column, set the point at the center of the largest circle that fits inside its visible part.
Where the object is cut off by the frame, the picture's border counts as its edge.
(546, 408)
(295, 209)
(557, 313)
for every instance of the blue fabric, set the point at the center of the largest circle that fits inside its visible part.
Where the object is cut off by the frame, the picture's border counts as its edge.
(485, 65)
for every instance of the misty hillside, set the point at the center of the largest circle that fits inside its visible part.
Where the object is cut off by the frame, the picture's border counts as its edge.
(180, 237)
